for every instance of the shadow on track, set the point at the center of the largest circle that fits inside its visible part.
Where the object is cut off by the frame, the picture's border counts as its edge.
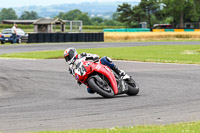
(99, 97)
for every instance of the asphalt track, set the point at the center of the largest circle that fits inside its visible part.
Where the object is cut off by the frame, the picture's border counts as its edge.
(40, 95)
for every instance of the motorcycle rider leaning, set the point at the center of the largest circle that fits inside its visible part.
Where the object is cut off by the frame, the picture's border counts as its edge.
(71, 55)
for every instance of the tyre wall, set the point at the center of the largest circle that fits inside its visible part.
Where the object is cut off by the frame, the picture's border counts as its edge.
(65, 37)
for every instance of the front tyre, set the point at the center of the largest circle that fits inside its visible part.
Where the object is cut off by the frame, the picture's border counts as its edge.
(133, 87)
(104, 91)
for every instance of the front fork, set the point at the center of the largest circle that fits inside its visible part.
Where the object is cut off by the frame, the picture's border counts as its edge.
(122, 85)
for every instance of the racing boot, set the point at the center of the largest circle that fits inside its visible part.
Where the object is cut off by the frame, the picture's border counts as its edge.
(120, 72)
(90, 90)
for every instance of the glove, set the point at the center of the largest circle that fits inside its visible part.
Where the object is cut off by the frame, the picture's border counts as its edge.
(95, 59)
(83, 54)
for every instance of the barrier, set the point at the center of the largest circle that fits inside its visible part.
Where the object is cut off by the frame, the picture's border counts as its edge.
(40, 37)
(176, 30)
(149, 30)
(47, 37)
(189, 30)
(158, 30)
(54, 37)
(138, 30)
(60, 37)
(65, 37)
(32, 38)
(128, 30)
(169, 30)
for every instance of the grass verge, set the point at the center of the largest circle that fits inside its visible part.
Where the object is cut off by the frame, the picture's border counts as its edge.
(183, 54)
(193, 127)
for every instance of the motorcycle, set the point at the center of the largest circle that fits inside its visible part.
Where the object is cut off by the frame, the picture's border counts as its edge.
(102, 80)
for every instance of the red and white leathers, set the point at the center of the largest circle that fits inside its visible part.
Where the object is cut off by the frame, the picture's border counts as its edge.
(82, 56)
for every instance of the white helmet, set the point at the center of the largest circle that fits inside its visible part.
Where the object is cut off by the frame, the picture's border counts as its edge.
(70, 55)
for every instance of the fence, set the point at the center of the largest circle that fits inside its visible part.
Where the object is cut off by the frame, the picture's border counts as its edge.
(65, 37)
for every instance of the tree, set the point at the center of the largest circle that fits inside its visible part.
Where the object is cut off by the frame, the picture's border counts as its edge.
(85, 18)
(75, 15)
(149, 7)
(7, 14)
(138, 14)
(182, 10)
(160, 11)
(96, 20)
(29, 15)
(125, 13)
(61, 15)
(115, 16)
(71, 15)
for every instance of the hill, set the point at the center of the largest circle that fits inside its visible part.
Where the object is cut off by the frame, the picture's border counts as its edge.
(101, 9)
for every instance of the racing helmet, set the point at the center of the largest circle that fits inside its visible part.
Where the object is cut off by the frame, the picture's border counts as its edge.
(70, 55)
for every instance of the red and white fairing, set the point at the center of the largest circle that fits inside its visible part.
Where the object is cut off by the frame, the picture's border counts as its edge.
(84, 69)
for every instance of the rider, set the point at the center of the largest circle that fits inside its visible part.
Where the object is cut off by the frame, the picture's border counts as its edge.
(71, 55)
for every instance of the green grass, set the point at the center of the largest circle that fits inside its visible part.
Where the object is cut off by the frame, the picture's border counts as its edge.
(193, 127)
(183, 54)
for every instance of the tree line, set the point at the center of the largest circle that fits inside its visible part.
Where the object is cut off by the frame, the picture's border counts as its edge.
(175, 12)
(10, 14)
(98, 21)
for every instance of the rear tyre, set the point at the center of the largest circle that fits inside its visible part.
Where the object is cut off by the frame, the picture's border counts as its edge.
(104, 92)
(133, 88)
(2, 42)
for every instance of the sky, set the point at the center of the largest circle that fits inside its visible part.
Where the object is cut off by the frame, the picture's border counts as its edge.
(20, 3)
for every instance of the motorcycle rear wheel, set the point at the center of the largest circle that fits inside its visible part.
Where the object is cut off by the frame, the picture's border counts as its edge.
(94, 85)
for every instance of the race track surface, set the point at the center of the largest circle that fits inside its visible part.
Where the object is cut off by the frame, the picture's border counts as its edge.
(40, 95)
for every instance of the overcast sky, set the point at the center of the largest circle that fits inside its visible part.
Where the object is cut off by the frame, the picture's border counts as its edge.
(19, 3)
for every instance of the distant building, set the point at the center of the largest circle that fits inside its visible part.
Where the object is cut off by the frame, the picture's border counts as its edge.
(143, 24)
(44, 25)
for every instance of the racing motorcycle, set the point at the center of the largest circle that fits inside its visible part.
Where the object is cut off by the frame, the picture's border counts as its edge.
(102, 80)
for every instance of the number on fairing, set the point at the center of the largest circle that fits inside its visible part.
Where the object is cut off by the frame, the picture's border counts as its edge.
(80, 69)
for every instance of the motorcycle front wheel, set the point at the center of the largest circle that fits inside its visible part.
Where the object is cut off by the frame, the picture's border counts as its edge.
(104, 91)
